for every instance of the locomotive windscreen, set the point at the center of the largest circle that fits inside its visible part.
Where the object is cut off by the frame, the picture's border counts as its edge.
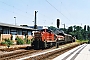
(47, 30)
(61, 34)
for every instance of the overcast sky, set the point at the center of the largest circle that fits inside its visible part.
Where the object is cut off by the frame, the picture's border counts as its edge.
(70, 12)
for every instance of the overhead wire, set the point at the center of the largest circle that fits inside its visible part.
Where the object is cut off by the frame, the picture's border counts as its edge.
(14, 7)
(26, 11)
(45, 16)
(67, 10)
(57, 10)
(13, 12)
(20, 9)
(40, 13)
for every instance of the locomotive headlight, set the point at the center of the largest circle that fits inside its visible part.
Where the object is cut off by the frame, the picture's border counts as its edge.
(59, 38)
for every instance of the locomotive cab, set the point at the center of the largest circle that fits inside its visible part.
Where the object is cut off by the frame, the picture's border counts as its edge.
(43, 39)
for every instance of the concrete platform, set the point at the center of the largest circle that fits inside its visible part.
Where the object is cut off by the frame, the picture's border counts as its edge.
(81, 52)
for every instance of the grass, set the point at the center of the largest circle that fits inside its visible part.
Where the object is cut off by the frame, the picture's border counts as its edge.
(82, 41)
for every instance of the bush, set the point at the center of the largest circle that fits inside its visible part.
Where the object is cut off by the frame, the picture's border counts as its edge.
(3, 43)
(7, 42)
(28, 41)
(19, 41)
(25, 40)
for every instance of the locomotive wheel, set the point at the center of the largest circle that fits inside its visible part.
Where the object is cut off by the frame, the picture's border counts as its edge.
(36, 44)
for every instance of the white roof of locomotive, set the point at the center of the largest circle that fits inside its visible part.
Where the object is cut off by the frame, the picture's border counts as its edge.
(45, 27)
(68, 34)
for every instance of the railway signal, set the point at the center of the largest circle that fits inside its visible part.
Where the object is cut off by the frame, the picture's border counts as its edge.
(58, 23)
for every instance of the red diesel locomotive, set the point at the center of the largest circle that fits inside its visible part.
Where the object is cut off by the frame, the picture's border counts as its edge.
(45, 38)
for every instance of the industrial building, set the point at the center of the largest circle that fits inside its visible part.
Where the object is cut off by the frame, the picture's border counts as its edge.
(11, 31)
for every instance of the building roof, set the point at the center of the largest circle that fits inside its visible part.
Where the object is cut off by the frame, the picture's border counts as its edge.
(38, 27)
(15, 26)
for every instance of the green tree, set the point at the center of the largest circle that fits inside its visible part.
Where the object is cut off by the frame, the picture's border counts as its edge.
(87, 28)
(70, 30)
(84, 27)
(77, 31)
(88, 32)
(85, 32)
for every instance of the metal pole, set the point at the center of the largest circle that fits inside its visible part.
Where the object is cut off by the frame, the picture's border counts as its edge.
(15, 20)
(64, 27)
(35, 25)
(35, 17)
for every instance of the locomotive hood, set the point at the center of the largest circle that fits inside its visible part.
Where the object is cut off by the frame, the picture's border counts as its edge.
(59, 32)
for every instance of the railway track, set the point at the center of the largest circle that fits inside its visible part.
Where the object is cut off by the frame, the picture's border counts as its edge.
(51, 57)
(9, 49)
(51, 53)
(35, 54)
(72, 54)
(16, 54)
(57, 54)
